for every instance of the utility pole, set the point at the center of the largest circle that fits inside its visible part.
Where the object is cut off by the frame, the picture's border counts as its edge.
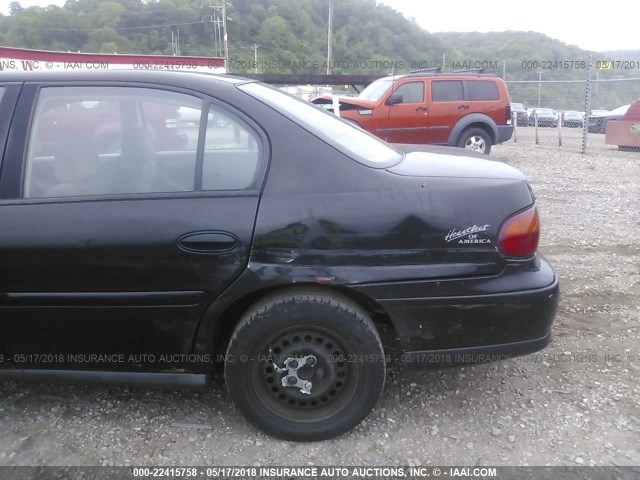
(504, 69)
(220, 31)
(539, 86)
(255, 47)
(329, 38)
(226, 37)
(587, 106)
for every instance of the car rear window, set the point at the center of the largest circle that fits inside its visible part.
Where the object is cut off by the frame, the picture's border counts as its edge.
(447, 91)
(352, 141)
(483, 90)
(118, 140)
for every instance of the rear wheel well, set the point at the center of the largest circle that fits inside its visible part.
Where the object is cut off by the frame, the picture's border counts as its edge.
(231, 316)
(482, 126)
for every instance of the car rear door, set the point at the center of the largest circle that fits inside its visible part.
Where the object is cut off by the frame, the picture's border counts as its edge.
(8, 96)
(484, 97)
(118, 247)
(447, 105)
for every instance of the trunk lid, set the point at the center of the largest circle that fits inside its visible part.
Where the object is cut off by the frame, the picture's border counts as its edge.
(457, 203)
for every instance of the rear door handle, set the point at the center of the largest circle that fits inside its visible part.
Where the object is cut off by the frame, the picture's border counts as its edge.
(421, 109)
(464, 107)
(208, 242)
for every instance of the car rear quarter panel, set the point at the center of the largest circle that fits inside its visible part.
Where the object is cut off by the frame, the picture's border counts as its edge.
(322, 214)
(327, 219)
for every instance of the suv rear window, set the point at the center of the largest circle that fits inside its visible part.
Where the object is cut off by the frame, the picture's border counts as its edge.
(483, 90)
(447, 91)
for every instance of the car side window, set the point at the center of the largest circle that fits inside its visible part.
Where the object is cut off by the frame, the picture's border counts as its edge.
(483, 90)
(447, 91)
(1, 92)
(111, 140)
(412, 92)
(231, 153)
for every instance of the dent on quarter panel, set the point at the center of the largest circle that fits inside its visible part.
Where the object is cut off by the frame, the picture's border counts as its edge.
(403, 237)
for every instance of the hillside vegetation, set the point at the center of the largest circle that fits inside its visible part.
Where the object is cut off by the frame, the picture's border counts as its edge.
(290, 36)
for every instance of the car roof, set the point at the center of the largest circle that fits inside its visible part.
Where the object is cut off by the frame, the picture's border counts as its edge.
(620, 110)
(443, 75)
(124, 75)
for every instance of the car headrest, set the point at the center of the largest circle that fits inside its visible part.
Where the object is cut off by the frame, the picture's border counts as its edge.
(136, 145)
(75, 158)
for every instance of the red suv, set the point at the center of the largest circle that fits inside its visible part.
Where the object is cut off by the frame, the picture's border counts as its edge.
(458, 109)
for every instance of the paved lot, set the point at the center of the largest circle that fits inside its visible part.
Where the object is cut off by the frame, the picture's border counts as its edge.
(576, 403)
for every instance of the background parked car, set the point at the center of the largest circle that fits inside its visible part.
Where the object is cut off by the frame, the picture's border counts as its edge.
(572, 118)
(598, 123)
(546, 117)
(522, 117)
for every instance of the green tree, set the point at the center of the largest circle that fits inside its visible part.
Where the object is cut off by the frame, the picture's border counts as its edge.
(15, 8)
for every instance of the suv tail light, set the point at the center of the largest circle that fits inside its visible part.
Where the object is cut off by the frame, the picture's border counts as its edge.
(519, 234)
(507, 114)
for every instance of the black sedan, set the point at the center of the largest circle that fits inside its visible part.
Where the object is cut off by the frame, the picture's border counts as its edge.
(137, 248)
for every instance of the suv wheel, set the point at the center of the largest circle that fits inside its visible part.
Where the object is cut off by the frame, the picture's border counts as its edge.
(476, 140)
(305, 365)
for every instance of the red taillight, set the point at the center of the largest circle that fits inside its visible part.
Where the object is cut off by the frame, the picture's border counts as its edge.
(519, 235)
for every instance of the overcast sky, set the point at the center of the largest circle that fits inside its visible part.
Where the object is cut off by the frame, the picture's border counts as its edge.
(601, 25)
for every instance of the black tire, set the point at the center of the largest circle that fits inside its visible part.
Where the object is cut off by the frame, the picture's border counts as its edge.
(348, 375)
(475, 139)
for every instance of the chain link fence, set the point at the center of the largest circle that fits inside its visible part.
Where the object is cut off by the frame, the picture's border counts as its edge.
(598, 113)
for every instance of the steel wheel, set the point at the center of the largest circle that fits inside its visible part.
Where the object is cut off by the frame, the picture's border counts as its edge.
(295, 359)
(311, 365)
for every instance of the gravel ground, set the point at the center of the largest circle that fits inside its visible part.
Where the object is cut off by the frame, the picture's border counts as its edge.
(575, 403)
